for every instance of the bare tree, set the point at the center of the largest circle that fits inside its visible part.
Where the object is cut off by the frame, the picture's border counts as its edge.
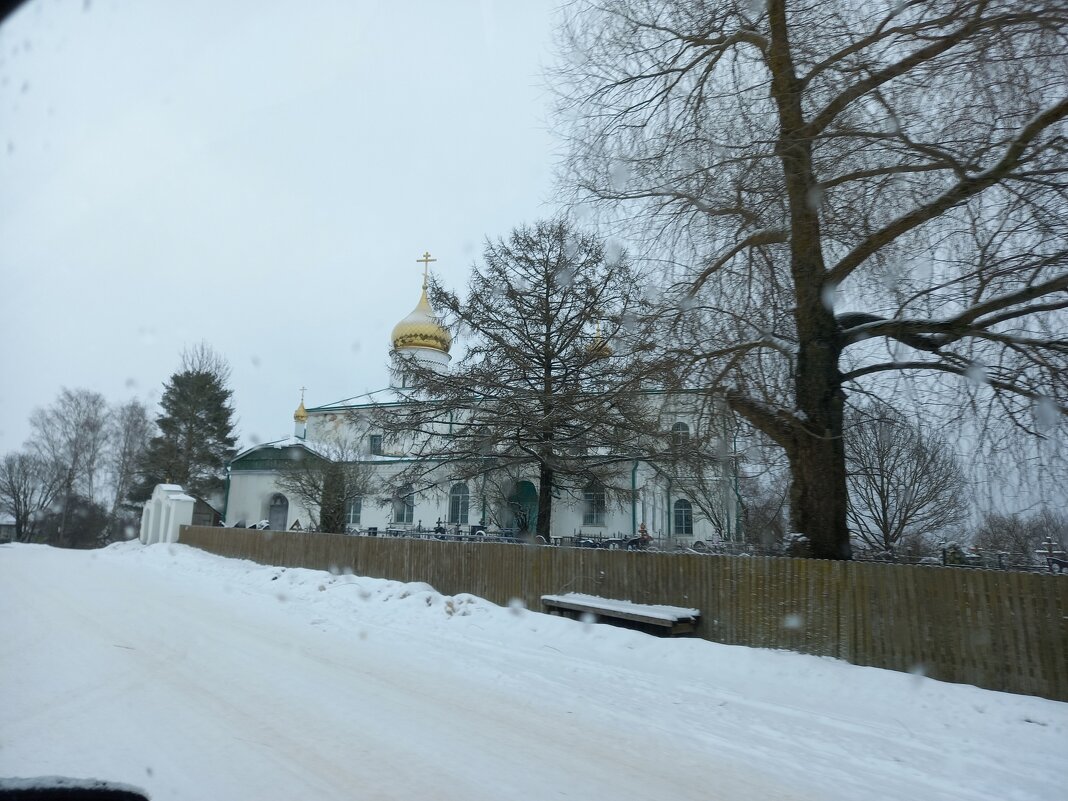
(905, 483)
(28, 487)
(552, 378)
(70, 436)
(1020, 535)
(129, 431)
(328, 480)
(848, 193)
(204, 359)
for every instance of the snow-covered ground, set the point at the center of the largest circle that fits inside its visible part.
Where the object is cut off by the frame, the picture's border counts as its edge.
(197, 677)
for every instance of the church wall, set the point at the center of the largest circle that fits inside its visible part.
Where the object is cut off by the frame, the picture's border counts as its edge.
(250, 499)
(251, 492)
(654, 504)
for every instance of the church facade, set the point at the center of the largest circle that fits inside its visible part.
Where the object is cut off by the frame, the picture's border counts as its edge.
(675, 512)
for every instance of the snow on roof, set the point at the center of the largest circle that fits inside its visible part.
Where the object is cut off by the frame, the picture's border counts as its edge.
(285, 442)
(374, 398)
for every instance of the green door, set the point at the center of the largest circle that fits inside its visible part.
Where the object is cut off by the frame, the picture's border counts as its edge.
(523, 502)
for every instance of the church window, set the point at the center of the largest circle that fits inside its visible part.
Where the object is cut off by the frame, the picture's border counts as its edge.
(404, 505)
(278, 512)
(376, 444)
(352, 511)
(459, 503)
(595, 505)
(683, 518)
(680, 435)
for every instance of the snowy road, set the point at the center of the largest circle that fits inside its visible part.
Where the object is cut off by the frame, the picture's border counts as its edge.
(196, 677)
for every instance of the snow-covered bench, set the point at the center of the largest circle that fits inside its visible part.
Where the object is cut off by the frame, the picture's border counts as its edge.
(665, 619)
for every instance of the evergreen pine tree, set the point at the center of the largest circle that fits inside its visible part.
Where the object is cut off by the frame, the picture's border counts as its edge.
(196, 430)
(332, 511)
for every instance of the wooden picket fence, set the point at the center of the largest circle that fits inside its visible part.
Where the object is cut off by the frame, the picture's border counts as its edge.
(995, 629)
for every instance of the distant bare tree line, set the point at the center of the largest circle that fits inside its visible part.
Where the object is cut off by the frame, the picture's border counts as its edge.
(88, 465)
(68, 485)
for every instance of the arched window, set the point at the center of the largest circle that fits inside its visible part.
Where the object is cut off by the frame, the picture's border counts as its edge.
(404, 505)
(683, 518)
(352, 511)
(459, 501)
(278, 512)
(680, 435)
(595, 505)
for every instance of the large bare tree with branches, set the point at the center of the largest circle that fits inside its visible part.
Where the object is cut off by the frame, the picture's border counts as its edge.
(849, 193)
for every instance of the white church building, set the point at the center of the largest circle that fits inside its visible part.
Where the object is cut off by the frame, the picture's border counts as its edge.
(655, 503)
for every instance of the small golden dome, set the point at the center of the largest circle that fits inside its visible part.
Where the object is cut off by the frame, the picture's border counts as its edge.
(421, 329)
(599, 347)
(301, 414)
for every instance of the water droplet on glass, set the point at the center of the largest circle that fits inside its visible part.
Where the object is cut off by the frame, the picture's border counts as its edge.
(816, 197)
(1046, 414)
(793, 621)
(619, 175)
(829, 295)
(976, 373)
(613, 250)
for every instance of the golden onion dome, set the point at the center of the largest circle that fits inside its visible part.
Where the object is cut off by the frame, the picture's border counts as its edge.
(421, 329)
(301, 414)
(599, 347)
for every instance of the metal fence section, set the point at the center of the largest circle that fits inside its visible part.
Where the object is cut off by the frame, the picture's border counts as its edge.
(995, 629)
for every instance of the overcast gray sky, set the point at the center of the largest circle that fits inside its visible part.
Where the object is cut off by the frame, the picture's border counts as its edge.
(258, 175)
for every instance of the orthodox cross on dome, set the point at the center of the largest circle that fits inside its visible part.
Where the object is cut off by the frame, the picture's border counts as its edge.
(426, 265)
(302, 394)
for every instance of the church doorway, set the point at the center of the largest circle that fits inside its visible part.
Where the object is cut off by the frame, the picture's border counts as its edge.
(523, 503)
(278, 512)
